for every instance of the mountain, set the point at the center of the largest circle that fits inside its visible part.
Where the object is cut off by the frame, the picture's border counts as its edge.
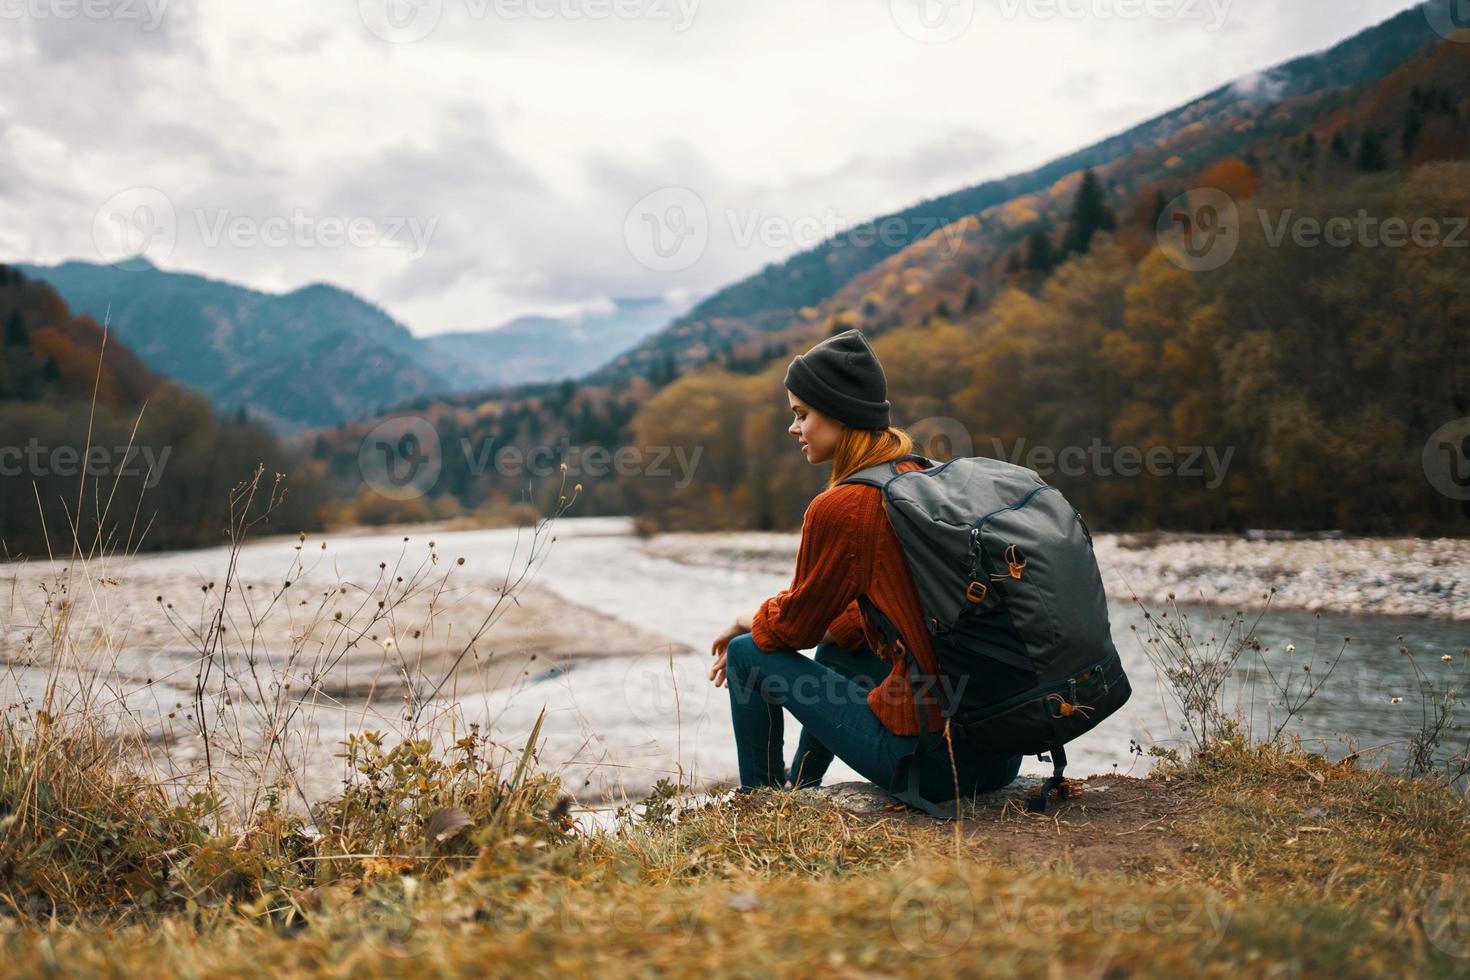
(320, 355)
(51, 354)
(772, 298)
(544, 348)
(104, 447)
(315, 356)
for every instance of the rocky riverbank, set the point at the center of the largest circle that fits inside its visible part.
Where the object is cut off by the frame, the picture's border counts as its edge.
(1386, 576)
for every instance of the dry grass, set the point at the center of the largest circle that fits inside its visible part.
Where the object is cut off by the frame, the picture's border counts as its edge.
(1293, 865)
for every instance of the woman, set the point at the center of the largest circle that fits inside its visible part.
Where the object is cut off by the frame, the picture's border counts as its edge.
(850, 701)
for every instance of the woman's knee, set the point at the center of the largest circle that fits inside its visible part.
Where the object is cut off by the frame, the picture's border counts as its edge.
(742, 651)
(829, 653)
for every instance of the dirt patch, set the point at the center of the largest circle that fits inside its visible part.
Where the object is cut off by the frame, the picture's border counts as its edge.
(1113, 823)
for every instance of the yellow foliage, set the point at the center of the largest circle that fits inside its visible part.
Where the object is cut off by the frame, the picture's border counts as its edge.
(1021, 211)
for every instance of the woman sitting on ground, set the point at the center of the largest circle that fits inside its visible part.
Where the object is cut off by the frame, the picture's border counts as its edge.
(849, 700)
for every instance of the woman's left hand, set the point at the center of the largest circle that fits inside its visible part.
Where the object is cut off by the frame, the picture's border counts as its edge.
(721, 644)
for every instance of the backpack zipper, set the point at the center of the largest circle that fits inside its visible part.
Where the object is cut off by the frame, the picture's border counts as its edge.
(1041, 692)
(975, 531)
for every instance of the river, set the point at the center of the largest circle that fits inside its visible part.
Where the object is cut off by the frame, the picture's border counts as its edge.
(614, 724)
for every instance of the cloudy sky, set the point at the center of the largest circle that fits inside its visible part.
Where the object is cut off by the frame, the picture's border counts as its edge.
(461, 162)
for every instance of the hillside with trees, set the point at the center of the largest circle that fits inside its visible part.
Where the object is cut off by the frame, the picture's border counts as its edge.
(145, 465)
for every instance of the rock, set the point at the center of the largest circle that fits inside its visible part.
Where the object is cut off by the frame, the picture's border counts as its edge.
(744, 901)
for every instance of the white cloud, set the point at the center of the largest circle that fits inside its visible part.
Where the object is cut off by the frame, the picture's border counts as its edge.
(519, 142)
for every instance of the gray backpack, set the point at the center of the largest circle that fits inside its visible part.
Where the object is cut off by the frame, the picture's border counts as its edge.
(1014, 601)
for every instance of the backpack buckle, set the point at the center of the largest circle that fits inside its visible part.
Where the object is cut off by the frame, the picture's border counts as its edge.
(977, 592)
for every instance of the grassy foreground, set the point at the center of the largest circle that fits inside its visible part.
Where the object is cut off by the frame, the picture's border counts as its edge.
(1267, 861)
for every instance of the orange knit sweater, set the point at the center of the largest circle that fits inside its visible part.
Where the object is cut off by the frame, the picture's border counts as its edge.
(848, 547)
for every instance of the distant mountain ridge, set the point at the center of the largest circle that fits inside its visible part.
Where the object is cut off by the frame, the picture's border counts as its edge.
(321, 355)
(315, 356)
(545, 348)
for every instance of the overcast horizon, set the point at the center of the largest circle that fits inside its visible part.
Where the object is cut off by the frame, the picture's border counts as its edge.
(465, 162)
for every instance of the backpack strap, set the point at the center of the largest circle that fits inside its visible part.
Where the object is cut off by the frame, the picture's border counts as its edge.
(1037, 803)
(885, 473)
(910, 767)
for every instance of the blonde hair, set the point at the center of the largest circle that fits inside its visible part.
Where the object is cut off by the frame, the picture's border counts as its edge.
(860, 448)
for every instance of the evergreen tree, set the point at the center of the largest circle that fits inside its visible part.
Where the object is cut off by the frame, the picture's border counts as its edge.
(1371, 157)
(1161, 203)
(1413, 125)
(1340, 146)
(1090, 214)
(656, 372)
(16, 334)
(1040, 256)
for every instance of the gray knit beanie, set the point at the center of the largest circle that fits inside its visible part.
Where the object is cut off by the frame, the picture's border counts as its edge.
(841, 377)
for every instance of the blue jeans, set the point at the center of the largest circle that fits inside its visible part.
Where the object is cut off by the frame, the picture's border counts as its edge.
(828, 694)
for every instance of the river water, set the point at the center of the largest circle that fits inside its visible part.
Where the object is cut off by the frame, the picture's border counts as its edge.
(616, 724)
